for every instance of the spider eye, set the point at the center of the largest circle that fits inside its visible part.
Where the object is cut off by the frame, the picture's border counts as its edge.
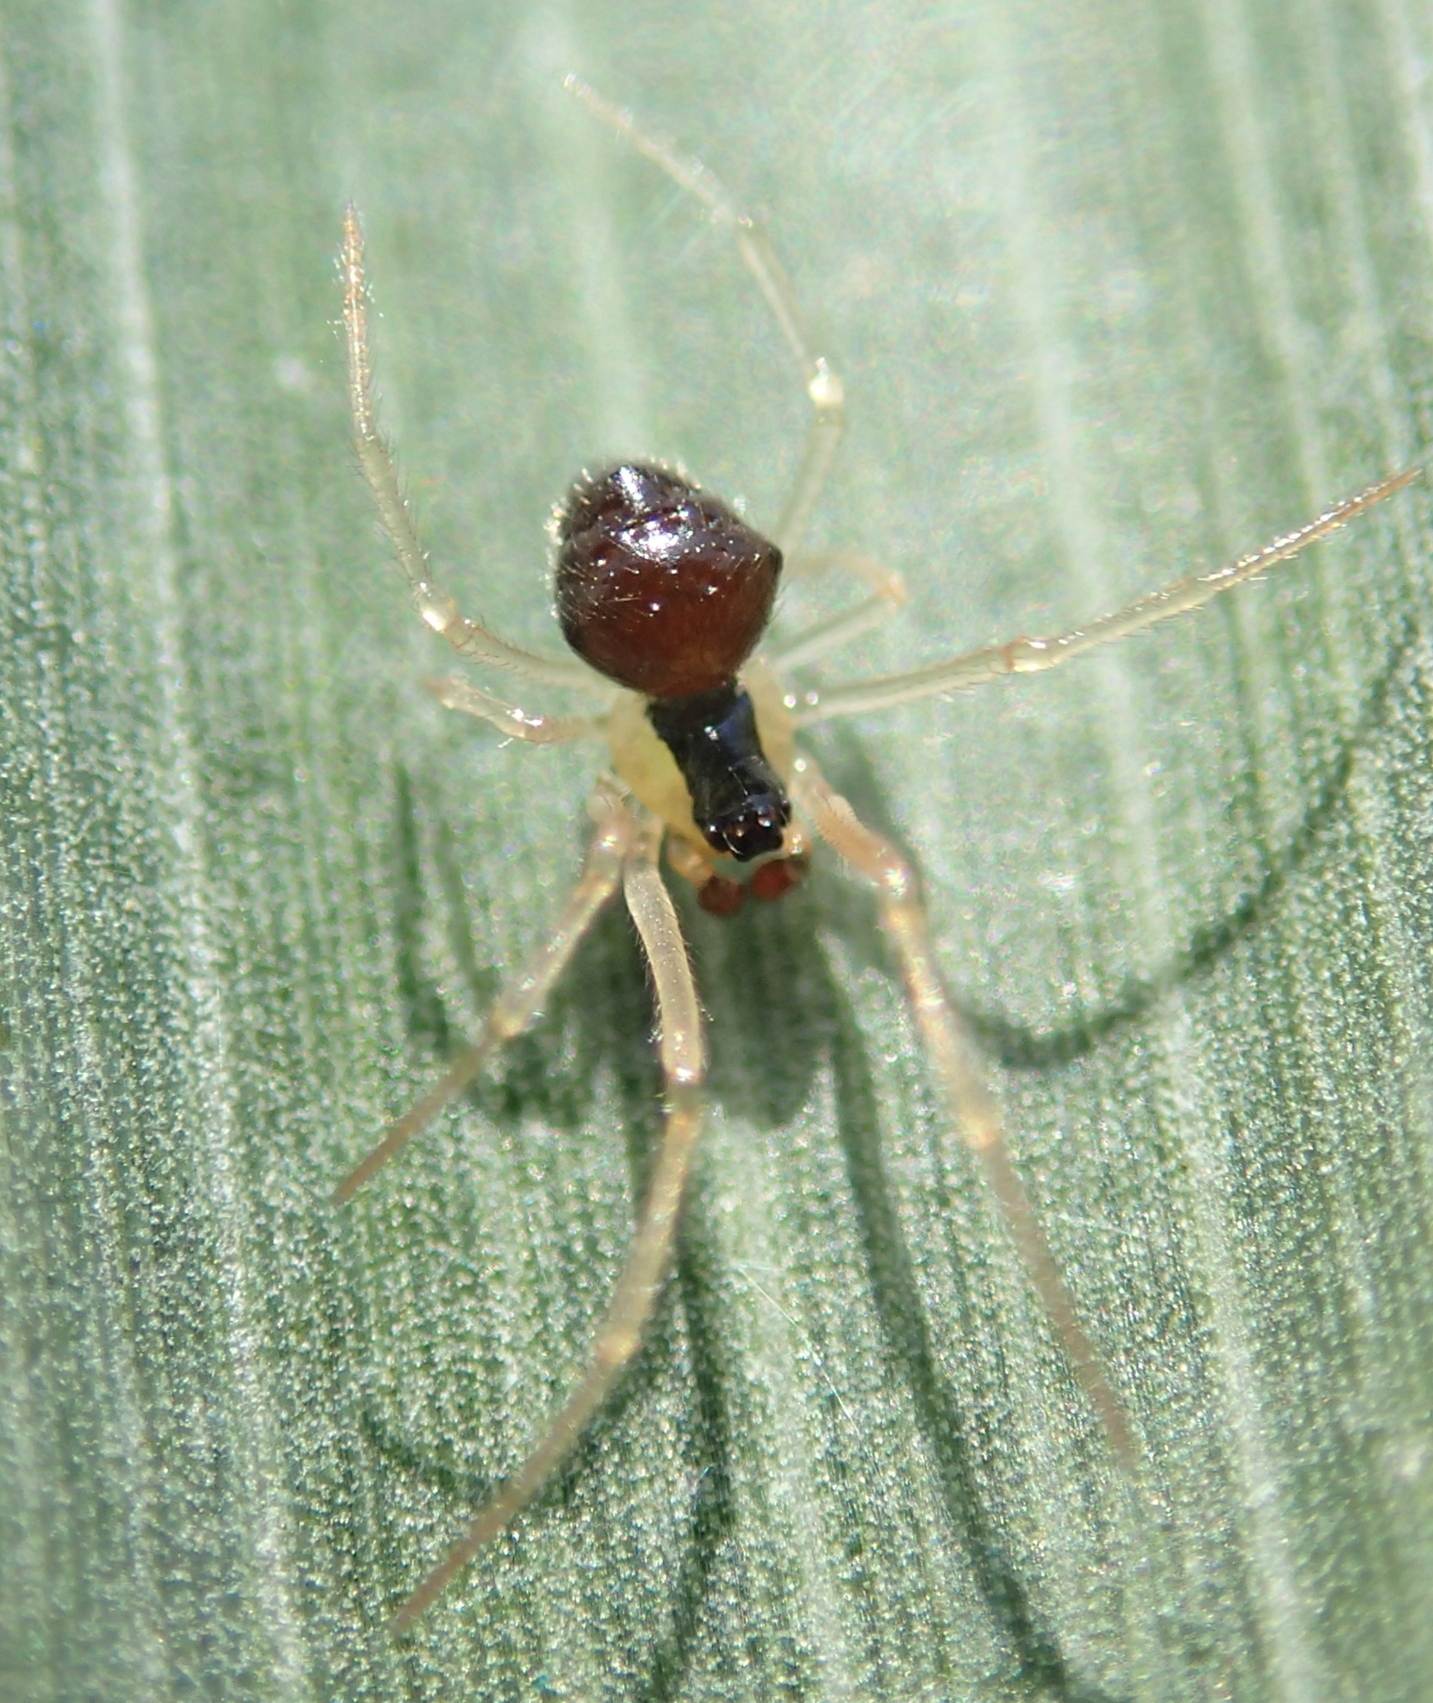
(659, 586)
(755, 827)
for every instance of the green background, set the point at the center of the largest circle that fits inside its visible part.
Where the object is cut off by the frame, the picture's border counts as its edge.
(1118, 289)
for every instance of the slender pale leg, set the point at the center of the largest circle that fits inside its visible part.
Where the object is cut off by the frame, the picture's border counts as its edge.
(1033, 656)
(522, 998)
(435, 605)
(512, 719)
(620, 1334)
(888, 594)
(824, 390)
(972, 1107)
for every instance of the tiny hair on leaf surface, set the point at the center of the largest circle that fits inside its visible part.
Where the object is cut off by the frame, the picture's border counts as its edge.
(1115, 293)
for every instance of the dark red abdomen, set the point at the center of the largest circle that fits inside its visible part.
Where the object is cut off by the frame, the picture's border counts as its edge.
(659, 586)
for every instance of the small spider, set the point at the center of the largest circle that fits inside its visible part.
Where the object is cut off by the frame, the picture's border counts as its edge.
(663, 592)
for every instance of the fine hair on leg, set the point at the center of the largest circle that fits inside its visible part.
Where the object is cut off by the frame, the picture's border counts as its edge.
(681, 1052)
(824, 390)
(521, 999)
(437, 606)
(833, 632)
(533, 726)
(971, 1106)
(1034, 656)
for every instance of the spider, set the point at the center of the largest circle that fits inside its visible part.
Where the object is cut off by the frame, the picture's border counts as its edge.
(663, 593)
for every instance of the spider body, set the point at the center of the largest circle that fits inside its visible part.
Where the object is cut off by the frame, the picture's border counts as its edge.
(646, 761)
(663, 589)
(663, 592)
(659, 586)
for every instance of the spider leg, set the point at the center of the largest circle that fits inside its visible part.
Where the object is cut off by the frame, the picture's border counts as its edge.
(824, 390)
(1033, 656)
(888, 594)
(972, 1107)
(512, 719)
(522, 998)
(436, 606)
(620, 1334)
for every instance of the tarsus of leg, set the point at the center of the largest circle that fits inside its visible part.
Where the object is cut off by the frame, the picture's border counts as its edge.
(620, 1334)
(519, 1002)
(1033, 656)
(835, 631)
(824, 390)
(972, 1107)
(512, 719)
(437, 607)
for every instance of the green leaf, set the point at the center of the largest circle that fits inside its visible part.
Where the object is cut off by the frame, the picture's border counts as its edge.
(1117, 291)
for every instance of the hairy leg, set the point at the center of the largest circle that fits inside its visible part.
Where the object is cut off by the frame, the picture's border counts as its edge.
(522, 998)
(972, 1108)
(1034, 656)
(824, 390)
(437, 607)
(511, 719)
(620, 1334)
(888, 594)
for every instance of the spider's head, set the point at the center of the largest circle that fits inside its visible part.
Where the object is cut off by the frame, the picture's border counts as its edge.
(738, 801)
(750, 828)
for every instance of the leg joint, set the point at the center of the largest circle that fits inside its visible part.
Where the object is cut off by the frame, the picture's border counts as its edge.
(827, 392)
(894, 877)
